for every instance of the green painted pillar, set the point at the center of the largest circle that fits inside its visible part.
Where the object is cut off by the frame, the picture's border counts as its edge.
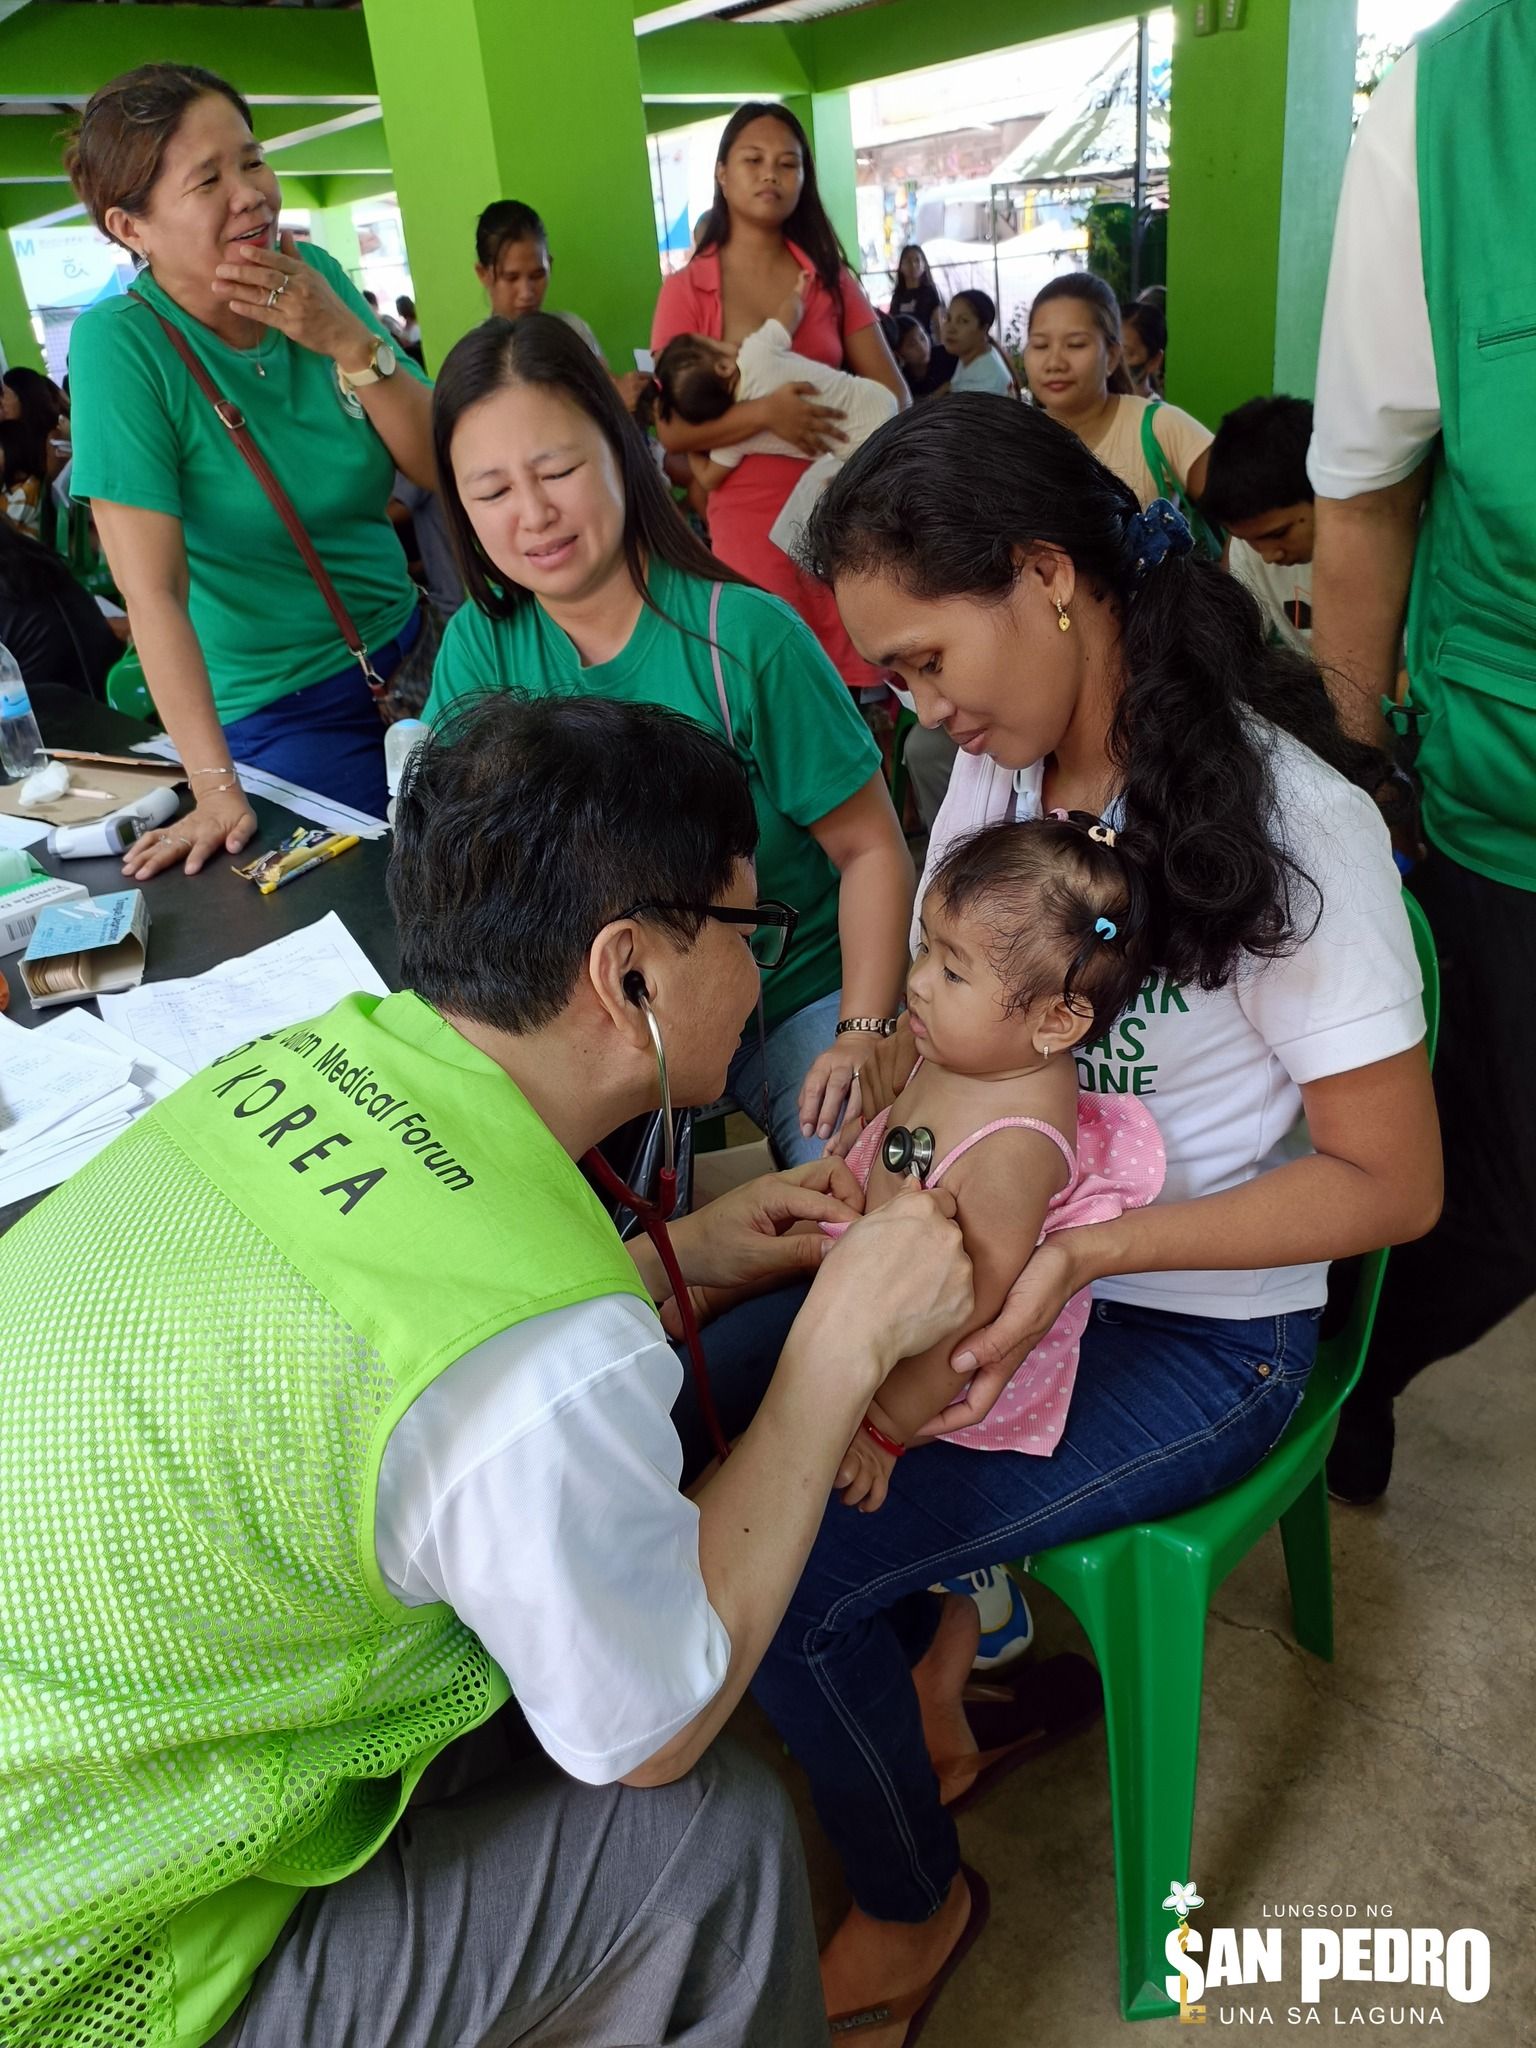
(496, 101)
(828, 120)
(335, 230)
(1261, 123)
(16, 336)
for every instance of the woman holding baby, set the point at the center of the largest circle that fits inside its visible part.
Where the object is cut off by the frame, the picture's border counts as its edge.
(1089, 666)
(767, 230)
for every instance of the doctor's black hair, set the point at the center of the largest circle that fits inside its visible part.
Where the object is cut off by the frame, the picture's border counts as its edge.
(525, 824)
(951, 501)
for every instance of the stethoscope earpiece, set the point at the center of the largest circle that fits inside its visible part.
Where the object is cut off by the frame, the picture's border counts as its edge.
(907, 1151)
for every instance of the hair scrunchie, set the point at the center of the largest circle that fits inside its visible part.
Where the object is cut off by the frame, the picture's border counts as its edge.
(1152, 536)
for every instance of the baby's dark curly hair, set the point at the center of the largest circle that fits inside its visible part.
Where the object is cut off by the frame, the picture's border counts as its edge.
(1065, 910)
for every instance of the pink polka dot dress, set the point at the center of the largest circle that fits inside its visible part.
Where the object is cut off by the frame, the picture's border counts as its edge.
(1118, 1165)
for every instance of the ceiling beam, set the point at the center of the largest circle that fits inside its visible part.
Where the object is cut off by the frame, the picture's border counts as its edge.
(55, 51)
(32, 145)
(909, 35)
(339, 153)
(37, 206)
(278, 127)
(717, 60)
(660, 115)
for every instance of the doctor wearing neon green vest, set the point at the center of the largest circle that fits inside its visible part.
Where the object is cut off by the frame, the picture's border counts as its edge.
(333, 1413)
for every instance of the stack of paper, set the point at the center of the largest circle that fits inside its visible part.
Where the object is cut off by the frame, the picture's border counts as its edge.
(193, 1021)
(66, 1090)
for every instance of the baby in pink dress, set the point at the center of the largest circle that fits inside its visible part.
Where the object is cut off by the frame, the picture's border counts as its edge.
(1029, 945)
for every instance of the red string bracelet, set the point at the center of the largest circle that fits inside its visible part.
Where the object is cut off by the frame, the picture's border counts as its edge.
(886, 1443)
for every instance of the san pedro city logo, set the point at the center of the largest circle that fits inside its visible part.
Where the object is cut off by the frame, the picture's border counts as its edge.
(1378, 1973)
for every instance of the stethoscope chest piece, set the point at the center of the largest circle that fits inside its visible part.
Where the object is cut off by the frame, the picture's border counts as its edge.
(907, 1151)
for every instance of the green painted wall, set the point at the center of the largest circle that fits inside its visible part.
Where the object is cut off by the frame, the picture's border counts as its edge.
(16, 336)
(1252, 188)
(335, 230)
(52, 51)
(465, 126)
(1319, 100)
(827, 118)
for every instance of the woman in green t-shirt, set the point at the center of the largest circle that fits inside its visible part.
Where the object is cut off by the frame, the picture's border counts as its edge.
(584, 580)
(242, 656)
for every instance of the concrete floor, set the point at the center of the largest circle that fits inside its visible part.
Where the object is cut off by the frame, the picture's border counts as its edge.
(1401, 1775)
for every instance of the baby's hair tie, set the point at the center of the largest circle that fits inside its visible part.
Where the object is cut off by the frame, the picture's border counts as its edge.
(1101, 834)
(1105, 930)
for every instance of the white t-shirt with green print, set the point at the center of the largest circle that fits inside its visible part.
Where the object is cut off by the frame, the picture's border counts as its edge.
(1222, 1070)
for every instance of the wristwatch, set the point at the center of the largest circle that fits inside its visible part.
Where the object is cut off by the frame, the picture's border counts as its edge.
(382, 362)
(879, 1027)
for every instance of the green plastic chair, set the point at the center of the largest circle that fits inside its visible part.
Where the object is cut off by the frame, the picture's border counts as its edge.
(127, 690)
(1141, 1594)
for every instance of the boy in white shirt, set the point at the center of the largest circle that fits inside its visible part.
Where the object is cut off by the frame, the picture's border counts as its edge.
(699, 380)
(1256, 486)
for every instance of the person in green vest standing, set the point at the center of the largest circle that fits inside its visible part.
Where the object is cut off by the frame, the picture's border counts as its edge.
(358, 1426)
(1422, 457)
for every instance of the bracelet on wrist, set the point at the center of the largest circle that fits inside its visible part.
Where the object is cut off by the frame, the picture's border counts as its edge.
(192, 774)
(877, 1027)
(888, 1444)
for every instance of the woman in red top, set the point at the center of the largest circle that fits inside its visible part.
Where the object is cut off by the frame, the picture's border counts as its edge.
(768, 225)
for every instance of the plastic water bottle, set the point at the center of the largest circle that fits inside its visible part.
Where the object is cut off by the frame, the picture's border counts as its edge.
(21, 744)
(400, 741)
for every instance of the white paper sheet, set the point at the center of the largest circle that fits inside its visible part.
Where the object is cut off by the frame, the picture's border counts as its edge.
(21, 831)
(194, 1020)
(43, 1084)
(155, 1074)
(62, 1148)
(304, 803)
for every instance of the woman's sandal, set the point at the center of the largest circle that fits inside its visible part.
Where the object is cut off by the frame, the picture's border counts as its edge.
(917, 2006)
(1045, 1704)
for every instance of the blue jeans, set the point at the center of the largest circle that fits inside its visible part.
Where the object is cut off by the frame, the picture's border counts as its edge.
(1167, 1410)
(328, 736)
(791, 1047)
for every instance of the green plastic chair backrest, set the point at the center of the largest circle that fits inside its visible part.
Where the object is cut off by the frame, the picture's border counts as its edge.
(1340, 1359)
(127, 690)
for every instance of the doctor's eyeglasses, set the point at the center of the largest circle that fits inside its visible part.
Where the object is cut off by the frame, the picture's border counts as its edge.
(773, 925)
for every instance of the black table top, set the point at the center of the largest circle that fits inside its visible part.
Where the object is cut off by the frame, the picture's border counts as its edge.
(198, 920)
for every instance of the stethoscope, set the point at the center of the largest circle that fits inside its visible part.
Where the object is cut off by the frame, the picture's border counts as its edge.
(653, 1216)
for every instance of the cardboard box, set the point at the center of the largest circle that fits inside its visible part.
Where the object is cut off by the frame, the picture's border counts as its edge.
(22, 905)
(87, 949)
(117, 779)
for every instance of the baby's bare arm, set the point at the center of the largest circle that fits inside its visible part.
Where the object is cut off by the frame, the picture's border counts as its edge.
(1002, 1191)
(710, 475)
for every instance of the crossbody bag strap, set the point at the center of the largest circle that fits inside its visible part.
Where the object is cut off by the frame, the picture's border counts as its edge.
(1153, 456)
(714, 656)
(233, 421)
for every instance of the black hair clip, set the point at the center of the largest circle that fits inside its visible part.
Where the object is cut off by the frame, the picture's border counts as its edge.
(907, 1151)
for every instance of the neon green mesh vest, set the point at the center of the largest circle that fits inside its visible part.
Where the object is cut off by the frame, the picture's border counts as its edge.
(1472, 609)
(207, 1695)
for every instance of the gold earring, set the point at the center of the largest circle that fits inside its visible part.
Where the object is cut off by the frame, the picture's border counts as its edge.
(1061, 617)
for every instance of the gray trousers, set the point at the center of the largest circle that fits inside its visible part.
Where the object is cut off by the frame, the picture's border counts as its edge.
(930, 757)
(525, 1907)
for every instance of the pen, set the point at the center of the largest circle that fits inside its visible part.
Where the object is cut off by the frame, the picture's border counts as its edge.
(304, 859)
